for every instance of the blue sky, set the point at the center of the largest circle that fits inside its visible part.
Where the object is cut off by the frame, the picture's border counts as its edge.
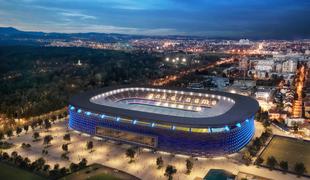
(236, 18)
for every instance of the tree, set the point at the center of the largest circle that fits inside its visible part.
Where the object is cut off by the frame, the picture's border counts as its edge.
(67, 137)
(89, 145)
(63, 171)
(44, 152)
(295, 127)
(25, 163)
(9, 133)
(38, 164)
(47, 124)
(27, 160)
(36, 136)
(60, 116)
(14, 154)
(26, 146)
(26, 128)
(247, 157)
(266, 123)
(5, 156)
(300, 169)
(65, 114)
(170, 170)
(259, 160)
(46, 168)
(83, 163)
(268, 132)
(130, 152)
(47, 139)
(18, 160)
(55, 172)
(159, 162)
(74, 167)
(56, 166)
(271, 162)
(33, 125)
(18, 130)
(65, 147)
(257, 142)
(54, 118)
(189, 166)
(284, 165)
(1, 135)
(40, 122)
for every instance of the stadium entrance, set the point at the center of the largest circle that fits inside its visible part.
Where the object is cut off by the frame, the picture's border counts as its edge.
(131, 137)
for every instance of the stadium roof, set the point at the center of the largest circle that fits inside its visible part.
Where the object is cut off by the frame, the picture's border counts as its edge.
(220, 115)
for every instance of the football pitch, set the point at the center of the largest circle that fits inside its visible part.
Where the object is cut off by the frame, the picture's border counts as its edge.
(288, 149)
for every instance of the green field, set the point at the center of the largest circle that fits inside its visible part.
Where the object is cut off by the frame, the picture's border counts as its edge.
(98, 171)
(12, 173)
(288, 149)
(103, 176)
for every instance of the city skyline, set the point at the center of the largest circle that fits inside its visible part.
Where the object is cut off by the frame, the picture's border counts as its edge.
(261, 19)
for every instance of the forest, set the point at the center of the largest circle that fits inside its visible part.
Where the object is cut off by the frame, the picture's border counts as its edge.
(36, 80)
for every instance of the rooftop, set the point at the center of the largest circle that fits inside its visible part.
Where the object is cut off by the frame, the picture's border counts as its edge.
(213, 108)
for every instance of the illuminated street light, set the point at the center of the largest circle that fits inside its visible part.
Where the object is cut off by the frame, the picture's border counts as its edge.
(167, 59)
(184, 60)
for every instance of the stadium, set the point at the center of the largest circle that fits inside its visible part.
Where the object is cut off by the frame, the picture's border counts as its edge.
(184, 121)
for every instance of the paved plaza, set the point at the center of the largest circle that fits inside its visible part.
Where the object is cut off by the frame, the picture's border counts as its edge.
(113, 155)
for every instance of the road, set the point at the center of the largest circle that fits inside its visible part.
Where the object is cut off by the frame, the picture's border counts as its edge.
(170, 78)
(298, 103)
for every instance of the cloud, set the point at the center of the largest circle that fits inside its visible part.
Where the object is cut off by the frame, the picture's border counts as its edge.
(79, 15)
(158, 17)
(113, 29)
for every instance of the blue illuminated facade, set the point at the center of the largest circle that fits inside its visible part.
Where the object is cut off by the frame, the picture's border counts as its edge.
(170, 137)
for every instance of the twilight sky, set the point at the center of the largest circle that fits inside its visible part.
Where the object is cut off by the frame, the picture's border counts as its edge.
(234, 18)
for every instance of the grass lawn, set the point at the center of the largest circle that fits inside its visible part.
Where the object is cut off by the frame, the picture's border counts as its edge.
(288, 149)
(96, 172)
(103, 176)
(12, 173)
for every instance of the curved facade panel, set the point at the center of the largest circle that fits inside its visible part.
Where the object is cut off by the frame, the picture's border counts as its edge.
(177, 134)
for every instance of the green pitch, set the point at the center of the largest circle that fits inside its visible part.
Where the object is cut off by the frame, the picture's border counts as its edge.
(288, 149)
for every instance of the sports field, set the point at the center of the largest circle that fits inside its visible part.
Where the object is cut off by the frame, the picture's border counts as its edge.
(288, 149)
(98, 171)
(12, 173)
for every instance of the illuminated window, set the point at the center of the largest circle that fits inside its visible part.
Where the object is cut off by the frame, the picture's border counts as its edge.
(197, 101)
(126, 120)
(199, 130)
(143, 123)
(150, 96)
(163, 126)
(182, 128)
